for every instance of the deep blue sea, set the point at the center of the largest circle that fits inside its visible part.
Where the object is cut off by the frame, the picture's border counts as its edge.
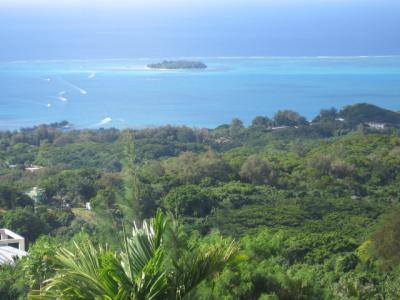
(124, 93)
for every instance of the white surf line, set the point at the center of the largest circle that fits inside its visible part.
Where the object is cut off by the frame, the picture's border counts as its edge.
(104, 121)
(92, 75)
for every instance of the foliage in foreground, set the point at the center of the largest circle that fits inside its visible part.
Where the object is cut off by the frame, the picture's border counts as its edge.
(144, 269)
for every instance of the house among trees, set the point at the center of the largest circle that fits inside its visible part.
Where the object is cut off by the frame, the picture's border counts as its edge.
(374, 125)
(88, 206)
(278, 127)
(36, 194)
(33, 168)
(8, 251)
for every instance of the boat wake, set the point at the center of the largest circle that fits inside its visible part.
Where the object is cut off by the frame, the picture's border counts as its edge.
(61, 96)
(75, 87)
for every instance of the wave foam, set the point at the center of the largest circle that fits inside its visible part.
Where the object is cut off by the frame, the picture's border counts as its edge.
(104, 121)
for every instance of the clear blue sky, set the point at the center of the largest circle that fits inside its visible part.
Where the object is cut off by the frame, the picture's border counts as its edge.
(40, 29)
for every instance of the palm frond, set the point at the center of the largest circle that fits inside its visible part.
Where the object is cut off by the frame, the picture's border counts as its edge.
(84, 273)
(200, 264)
(142, 271)
(143, 258)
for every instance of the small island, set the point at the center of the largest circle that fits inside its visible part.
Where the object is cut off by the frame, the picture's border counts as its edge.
(178, 64)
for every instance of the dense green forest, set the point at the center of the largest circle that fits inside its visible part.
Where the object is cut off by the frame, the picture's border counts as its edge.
(311, 209)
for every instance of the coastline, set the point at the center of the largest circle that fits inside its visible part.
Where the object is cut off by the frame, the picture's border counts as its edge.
(145, 97)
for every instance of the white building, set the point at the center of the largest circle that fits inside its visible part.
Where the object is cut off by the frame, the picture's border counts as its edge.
(36, 194)
(375, 125)
(8, 251)
(33, 168)
(278, 127)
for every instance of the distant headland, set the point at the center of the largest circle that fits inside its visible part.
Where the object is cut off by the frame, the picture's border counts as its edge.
(178, 64)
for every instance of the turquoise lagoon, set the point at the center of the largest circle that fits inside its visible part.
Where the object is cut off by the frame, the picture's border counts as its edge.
(124, 93)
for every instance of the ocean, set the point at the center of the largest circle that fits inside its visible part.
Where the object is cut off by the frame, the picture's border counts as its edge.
(124, 93)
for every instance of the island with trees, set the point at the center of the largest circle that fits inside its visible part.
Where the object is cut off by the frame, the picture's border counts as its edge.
(178, 64)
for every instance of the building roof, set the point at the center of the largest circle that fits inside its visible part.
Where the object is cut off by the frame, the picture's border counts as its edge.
(8, 253)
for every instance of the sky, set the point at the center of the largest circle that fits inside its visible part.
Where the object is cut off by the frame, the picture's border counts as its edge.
(68, 29)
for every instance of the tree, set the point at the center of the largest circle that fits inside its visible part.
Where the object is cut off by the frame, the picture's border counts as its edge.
(189, 200)
(12, 282)
(325, 165)
(185, 135)
(326, 115)
(212, 165)
(258, 171)
(108, 217)
(235, 194)
(24, 222)
(321, 164)
(236, 127)
(341, 169)
(11, 198)
(39, 265)
(76, 186)
(143, 270)
(184, 168)
(152, 170)
(386, 240)
(289, 118)
(364, 112)
(129, 200)
(261, 122)
(43, 157)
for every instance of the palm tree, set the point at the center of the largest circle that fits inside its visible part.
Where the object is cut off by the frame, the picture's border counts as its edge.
(144, 269)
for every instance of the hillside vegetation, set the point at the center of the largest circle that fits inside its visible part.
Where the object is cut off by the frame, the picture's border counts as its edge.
(313, 206)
